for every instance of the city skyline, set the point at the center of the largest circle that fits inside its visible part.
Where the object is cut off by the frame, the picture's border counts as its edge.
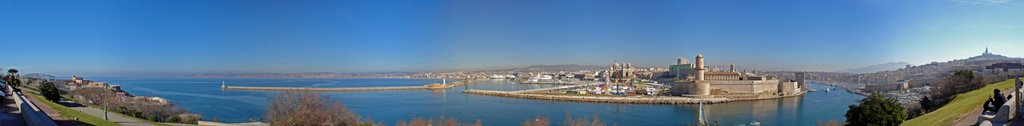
(104, 37)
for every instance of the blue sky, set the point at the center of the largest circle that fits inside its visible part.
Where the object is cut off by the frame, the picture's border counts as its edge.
(200, 36)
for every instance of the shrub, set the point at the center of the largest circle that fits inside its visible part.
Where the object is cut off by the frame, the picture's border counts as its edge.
(308, 109)
(876, 110)
(50, 92)
(442, 121)
(184, 119)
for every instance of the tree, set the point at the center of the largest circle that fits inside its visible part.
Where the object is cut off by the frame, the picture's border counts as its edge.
(49, 91)
(926, 103)
(308, 109)
(12, 78)
(876, 110)
(959, 81)
(12, 71)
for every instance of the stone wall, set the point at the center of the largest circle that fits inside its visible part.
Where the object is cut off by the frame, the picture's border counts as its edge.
(745, 86)
(33, 115)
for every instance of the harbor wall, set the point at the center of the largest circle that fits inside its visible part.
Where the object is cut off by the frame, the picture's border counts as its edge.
(327, 89)
(745, 86)
(424, 87)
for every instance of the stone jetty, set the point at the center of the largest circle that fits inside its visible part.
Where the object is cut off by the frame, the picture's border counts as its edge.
(443, 85)
(327, 89)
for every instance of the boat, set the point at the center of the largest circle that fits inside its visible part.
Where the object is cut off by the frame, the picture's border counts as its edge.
(755, 123)
(498, 77)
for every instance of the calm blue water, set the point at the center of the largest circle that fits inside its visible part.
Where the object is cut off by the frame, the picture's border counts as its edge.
(204, 96)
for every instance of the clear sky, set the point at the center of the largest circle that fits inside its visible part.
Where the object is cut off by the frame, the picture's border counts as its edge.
(199, 36)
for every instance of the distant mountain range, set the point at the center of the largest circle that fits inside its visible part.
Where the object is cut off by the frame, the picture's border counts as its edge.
(39, 75)
(877, 68)
(304, 75)
(533, 68)
(556, 68)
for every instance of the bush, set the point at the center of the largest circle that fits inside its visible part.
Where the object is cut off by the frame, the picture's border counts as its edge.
(876, 110)
(173, 119)
(831, 122)
(569, 121)
(442, 121)
(308, 109)
(140, 108)
(184, 119)
(50, 92)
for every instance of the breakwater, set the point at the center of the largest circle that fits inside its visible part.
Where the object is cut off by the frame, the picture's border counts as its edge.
(326, 89)
(444, 85)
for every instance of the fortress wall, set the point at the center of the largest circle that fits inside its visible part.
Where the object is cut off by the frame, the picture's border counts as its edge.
(745, 86)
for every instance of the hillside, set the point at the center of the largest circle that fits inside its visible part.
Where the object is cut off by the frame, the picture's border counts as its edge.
(877, 68)
(556, 68)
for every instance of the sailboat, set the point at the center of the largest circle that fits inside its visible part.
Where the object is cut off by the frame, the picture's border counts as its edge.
(701, 116)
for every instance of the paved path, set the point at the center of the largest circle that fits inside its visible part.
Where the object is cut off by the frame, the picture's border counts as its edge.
(9, 113)
(971, 118)
(56, 117)
(119, 119)
(968, 119)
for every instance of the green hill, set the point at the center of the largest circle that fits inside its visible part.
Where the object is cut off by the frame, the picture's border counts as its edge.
(962, 104)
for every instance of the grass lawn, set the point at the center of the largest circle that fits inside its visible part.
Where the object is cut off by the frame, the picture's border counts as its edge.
(962, 104)
(83, 119)
(134, 118)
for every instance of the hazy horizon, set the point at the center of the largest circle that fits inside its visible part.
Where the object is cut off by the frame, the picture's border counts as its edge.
(199, 36)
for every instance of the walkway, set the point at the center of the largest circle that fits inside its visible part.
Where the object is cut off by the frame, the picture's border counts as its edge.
(968, 119)
(9, 113)
(53, 114)
(113, 117)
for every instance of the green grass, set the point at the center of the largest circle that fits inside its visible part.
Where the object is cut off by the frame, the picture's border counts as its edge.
(68, 113)
(134, 118)
(962, 104)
